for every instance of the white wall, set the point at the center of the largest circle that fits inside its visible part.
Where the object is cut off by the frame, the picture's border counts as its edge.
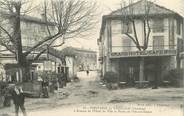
(70, 65)
(117, 37)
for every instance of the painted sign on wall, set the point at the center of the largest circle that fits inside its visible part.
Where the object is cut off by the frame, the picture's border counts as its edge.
(143, 53)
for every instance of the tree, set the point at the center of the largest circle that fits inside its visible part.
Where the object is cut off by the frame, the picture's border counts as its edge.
(129, 19)
(69, 18)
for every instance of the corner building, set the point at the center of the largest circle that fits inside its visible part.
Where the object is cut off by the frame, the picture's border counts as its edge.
(118, 53)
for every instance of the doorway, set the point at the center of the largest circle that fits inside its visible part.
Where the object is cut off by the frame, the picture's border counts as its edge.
(129, 70)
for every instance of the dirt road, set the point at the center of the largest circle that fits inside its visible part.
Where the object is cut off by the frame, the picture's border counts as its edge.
(89, 91)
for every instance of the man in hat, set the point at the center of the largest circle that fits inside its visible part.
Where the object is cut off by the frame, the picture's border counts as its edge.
(18, 99)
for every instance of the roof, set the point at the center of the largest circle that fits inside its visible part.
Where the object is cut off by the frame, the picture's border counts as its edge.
(9, 66)
(34, 19)
(155, 11)
(70, 51)
(27, 18)
(139, 9)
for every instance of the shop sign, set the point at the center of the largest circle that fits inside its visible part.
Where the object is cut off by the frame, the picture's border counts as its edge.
(144, 53)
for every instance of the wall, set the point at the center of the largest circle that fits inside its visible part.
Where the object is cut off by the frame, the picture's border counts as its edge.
(70, 65)
(33, 32)
(117, 36)
(117, 41)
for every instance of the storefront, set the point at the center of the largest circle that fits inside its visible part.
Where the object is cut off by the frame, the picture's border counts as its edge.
(154, 65)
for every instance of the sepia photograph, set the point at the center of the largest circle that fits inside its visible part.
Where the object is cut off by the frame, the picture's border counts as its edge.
(92, 57)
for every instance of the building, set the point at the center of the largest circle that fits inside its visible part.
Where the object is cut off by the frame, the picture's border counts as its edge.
(119, 53)
(33, 29)
(79, 59)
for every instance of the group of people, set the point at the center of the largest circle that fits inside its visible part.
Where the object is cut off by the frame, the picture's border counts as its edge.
(52, 85)
(17, 95)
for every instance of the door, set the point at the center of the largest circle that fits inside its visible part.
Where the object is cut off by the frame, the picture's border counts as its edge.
(129, 71)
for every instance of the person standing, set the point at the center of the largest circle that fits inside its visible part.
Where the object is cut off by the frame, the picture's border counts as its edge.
(45, 86)
(18, 100)
(87, 72)
(7, 97)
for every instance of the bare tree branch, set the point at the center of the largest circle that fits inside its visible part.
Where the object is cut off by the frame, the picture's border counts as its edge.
(149, 31)
(62, 18)
(135, 34)
(40, 43)
(45, 15)
(128, 14)
(8, 47)
(38, 55)
(58, 45)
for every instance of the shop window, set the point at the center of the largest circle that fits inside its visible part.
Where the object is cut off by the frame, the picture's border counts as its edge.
(158, 25)
(158, 42)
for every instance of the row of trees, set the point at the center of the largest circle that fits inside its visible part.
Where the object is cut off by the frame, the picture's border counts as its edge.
(70, 18)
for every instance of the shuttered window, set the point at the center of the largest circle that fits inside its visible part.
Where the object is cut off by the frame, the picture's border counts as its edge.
(158, 42)
(178, 27)
(158, 25)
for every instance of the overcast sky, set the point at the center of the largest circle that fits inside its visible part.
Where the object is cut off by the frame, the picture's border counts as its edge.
(107, 6)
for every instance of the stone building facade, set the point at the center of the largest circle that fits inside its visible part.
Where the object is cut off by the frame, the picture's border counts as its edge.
(118, 53)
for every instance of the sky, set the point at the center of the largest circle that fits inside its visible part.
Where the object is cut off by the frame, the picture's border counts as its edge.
(107, 6)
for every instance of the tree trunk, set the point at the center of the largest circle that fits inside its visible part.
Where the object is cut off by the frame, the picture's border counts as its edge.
(24, 66)
(26, 73)
(141, 72)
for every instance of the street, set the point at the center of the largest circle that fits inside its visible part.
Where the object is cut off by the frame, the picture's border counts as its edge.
(88, 91)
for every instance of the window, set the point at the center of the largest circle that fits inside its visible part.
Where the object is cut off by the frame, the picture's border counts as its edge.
(126, 44)
(120, 27)
(158, 42)
(178, 27)
(180, 45)
(116, 26)
(126, 27)
(48, 65)
(171, 34)
(158, 25)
